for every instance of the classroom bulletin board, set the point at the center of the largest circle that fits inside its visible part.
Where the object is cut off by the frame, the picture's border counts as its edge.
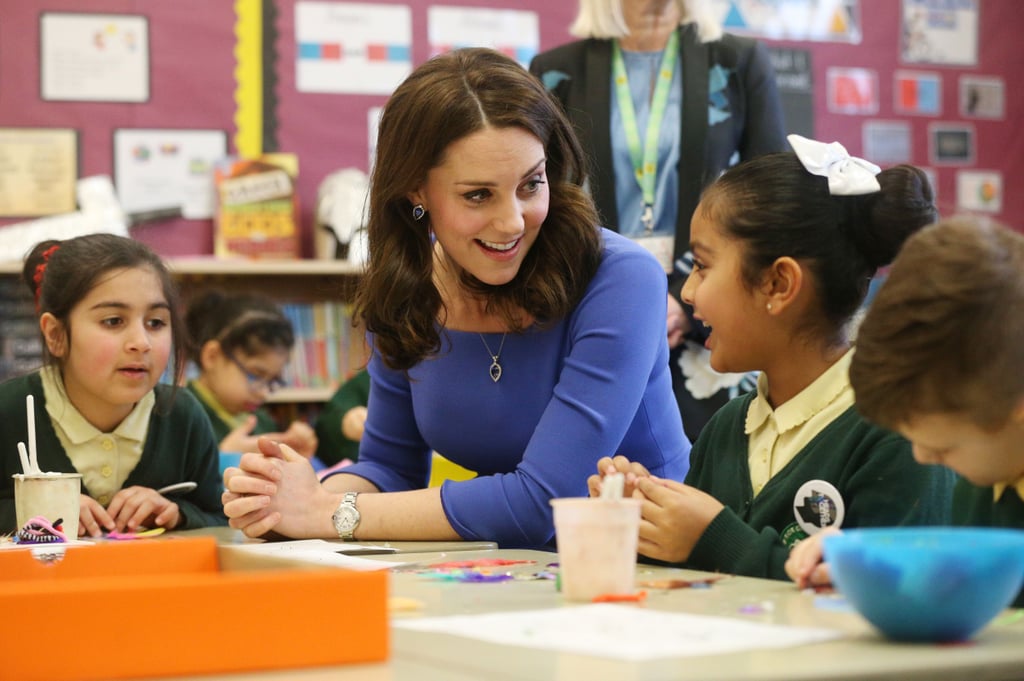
(188, 85)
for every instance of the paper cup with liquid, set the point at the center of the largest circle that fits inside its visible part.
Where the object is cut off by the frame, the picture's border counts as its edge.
(597, 540)
(54, 496)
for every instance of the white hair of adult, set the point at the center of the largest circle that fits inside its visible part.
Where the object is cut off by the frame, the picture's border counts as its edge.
(604, 19)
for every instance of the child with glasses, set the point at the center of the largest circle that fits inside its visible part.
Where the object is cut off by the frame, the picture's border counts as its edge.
(241, 344)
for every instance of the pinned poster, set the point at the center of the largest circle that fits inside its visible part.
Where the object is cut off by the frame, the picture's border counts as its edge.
(349, 47)
(982, 97)
(887, 142)
(515, 33)
(979, 190)
(917, 93)
(823, 20)
(950, 144)
(940, 32)
(852, 91)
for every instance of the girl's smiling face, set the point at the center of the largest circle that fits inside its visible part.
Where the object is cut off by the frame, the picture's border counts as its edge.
(116, 346)
(487, 201)
(720, 298)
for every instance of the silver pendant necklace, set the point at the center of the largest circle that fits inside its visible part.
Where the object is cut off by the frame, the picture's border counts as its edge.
(495, 369)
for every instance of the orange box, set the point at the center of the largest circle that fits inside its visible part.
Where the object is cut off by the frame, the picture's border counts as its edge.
(179, 607)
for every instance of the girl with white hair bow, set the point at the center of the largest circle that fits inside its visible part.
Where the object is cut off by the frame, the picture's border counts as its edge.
(784, 248)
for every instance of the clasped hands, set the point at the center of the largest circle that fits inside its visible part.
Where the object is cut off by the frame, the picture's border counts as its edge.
(673, 515)
(275, 490)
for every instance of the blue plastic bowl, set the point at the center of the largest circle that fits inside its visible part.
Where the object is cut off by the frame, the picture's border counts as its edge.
(927, 583)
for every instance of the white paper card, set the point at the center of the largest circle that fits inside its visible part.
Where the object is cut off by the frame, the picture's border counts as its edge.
(621, 632)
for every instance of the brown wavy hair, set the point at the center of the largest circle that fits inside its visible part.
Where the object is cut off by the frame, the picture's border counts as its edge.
(444, 100)
(945, 333)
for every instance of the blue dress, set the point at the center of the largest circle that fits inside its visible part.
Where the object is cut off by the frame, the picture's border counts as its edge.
(591, 385)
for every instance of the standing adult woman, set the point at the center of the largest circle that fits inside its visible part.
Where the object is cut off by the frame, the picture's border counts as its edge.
(664, 102)
(504, 329)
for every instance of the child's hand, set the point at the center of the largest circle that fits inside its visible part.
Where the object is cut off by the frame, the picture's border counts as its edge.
(300, 437)
(631, 471)
(135, 507)
(673, 518)
(241, 439)
(804, 565)
(93, 518)
(353, 423)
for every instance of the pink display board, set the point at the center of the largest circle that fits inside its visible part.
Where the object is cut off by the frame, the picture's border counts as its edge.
(192, 86)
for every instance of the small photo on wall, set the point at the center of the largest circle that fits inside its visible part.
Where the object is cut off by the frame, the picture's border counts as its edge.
(887, 142)
(950, 144)
(917, 93)
(982, 97)
(979, 190)
(852, 91)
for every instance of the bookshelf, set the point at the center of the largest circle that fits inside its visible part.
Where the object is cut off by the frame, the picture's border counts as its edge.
(302, 282)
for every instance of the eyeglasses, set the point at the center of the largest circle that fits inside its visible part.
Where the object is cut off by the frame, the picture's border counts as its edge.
(257, 383)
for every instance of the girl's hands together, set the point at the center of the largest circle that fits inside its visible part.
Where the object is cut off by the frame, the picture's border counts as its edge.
(673, 518)
(137, 507)
(93, 519)
(630, 470)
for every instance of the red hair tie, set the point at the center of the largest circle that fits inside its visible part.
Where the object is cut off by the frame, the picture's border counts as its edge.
(40, 269)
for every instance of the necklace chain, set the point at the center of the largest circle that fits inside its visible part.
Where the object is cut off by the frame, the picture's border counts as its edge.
(495, 368)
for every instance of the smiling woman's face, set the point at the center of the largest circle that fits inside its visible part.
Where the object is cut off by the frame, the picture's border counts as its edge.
(487, 201)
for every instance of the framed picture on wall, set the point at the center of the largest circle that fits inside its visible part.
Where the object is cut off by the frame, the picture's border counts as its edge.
(38, 171)
(950, 144)
(917, 93)
(887, 142)
(94, 57)
(940, 32)
(158, 170)
(982, 97)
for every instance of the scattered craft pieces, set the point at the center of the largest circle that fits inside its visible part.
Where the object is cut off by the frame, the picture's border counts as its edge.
(120, 536)
(681, 583)
(38, 530)
(479, 563)
(620, 598)
(466, 576)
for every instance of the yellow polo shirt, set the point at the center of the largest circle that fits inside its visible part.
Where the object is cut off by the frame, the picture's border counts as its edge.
(104, 459)
(778, 435)
(1000, 487)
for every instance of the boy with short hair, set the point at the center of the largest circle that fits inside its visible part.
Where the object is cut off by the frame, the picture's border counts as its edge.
(940, 359)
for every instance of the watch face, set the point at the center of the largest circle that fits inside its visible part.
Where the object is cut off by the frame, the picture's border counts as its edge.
(345, 519)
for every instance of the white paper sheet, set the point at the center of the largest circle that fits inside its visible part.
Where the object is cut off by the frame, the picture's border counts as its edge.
(320, 552)
(621, 632)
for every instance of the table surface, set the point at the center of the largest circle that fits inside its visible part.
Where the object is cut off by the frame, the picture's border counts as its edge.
(996, 653)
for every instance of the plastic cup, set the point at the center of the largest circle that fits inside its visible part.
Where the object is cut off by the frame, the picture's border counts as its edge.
(54, 496)
(597, 541)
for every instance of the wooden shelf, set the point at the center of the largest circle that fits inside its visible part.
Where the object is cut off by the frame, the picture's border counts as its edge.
(300, 395)
(216, 267)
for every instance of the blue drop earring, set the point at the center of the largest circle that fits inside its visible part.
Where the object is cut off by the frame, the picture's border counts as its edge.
(418, 211)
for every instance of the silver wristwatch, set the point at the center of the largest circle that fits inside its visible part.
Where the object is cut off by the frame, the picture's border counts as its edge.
(346, 516)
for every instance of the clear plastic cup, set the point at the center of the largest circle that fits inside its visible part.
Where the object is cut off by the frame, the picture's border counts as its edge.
(54, 496)
(597, 541)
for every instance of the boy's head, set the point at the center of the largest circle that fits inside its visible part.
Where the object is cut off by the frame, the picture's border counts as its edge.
(940, 354)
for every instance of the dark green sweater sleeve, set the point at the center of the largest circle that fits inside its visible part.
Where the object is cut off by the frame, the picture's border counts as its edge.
(332, 446)
(873, 470)
(179, 447)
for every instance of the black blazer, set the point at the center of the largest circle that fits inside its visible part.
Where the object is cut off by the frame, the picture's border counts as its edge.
(579, 75)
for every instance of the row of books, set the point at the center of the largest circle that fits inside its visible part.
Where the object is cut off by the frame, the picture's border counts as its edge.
(328, 349)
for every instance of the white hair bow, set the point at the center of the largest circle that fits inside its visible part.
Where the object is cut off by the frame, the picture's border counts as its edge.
(847, 175)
